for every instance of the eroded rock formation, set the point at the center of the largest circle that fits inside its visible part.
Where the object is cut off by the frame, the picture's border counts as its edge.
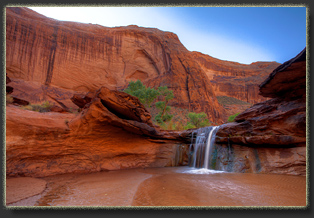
(275, 130)
(85, 57)
(36, 93)
(114, 131)
(236, 80)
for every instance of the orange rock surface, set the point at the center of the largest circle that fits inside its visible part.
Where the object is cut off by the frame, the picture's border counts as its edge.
(233, 79)
(114, 131)
(85, 57)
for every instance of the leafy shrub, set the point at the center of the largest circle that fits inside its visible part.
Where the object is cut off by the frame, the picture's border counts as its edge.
(44, 107)
(160, 119)
(145, 95)
(197, 120)
(189, 126)
(148, 95)
(232, 117)
(27, 107)
(163, 115)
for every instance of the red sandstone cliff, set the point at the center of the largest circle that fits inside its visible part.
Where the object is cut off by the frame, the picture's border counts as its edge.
(270, 136)
(84, 57)
(233, 79)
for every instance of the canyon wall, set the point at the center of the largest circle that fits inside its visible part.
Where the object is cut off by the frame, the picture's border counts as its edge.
(84, 57)
(233, 79)
(269, 137)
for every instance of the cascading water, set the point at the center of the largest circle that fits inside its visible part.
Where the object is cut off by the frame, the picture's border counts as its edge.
(200, 148)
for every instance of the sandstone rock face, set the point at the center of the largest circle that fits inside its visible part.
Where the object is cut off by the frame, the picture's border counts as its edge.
(36, 93)
(242, 159)
(275, 129)
(85, 57)
(288, 80)
(233, 79)
(81, 100)
(114, 131)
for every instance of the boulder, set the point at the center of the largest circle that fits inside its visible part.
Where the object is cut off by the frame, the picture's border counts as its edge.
(81, 100)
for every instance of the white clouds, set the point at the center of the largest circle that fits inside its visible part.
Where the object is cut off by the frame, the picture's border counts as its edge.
(219, 46)
(105, 16)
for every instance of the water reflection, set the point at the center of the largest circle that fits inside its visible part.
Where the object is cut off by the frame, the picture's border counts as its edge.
(170, 186)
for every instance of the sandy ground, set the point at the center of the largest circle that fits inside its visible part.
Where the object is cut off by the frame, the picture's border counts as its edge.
(23, 187)
(173, 186)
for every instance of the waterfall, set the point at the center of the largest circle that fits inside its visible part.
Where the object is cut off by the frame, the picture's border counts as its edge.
(200, 148)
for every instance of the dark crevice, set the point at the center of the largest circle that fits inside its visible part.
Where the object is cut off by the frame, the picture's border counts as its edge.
(52, 55)
(187, 82)
(151, 60)
(116, 112)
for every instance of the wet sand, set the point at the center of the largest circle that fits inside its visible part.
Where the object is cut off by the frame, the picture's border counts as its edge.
(21, 188)
(171, 186)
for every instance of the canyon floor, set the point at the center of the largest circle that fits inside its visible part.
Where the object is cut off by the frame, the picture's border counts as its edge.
(170, 186)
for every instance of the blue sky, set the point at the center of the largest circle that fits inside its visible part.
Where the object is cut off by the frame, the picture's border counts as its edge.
(240, 34)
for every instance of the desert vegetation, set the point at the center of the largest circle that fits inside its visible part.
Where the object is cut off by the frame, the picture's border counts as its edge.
(44, 107)
(168, 118)
(197, 120)
(232, 117)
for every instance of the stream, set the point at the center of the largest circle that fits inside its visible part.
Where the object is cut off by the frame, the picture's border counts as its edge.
(169, 186)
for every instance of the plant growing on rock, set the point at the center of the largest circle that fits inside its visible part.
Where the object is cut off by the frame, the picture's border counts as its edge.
(163, 115)
(148, 95)
(232, 117)
(44, 107)
(197, 120)
(139, 90)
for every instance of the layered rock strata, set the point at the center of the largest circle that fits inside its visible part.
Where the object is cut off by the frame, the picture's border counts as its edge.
(85, 57)
(114, 131)
(36, 93)
(274, 131)
(233, 79)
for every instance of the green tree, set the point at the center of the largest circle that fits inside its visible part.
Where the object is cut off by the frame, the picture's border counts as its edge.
(197, 120)
(145, 95)
(167, 96)
(189, 126)
(163, 115)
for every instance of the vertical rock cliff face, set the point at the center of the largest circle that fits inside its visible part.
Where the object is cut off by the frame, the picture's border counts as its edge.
(233, 79)
(84, 57)
(270, 137)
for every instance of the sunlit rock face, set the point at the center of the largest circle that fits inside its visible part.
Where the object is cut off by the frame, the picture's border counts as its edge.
(233, 79)
(275, 130)
(114, 131)
(84, 57)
